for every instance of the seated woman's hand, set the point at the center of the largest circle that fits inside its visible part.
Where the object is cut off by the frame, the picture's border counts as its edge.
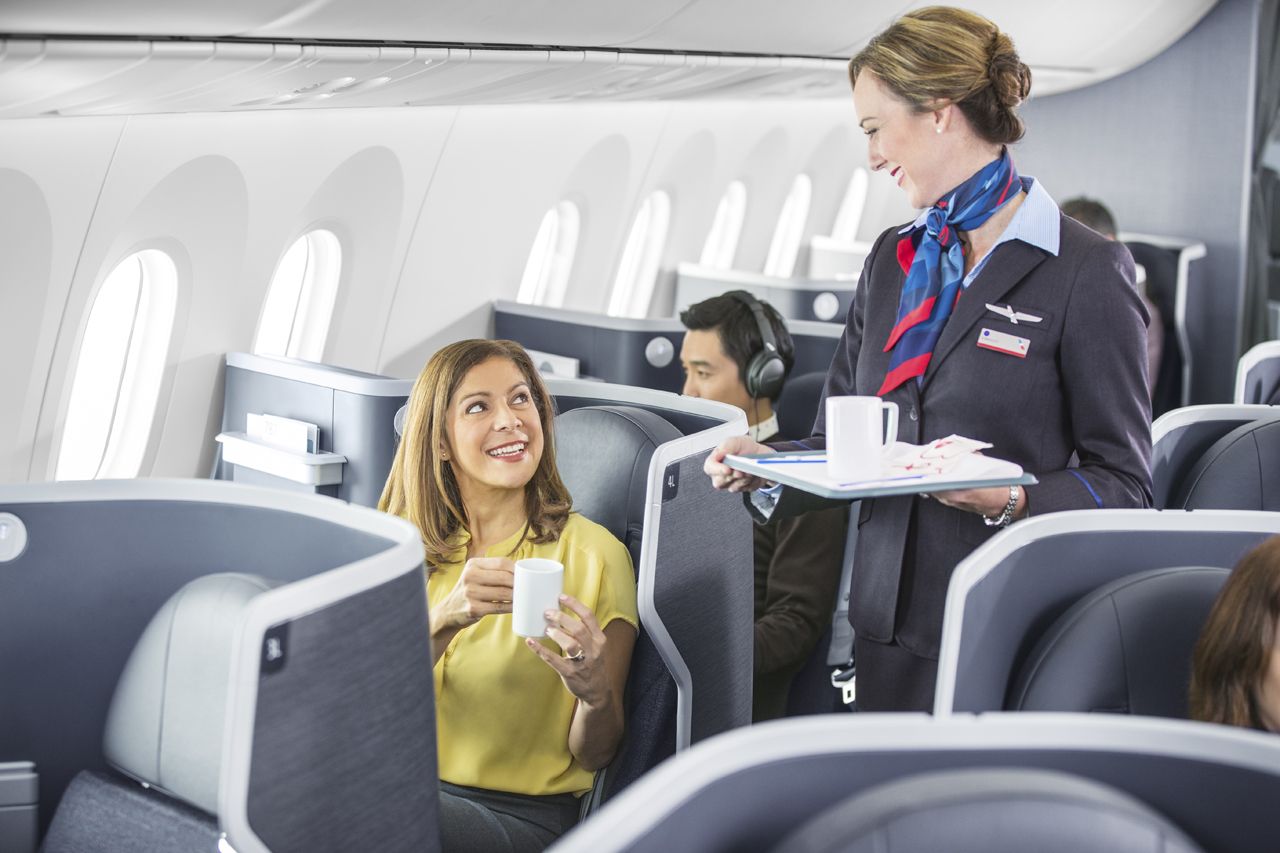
(724, 477)
(582, 668)
(484, 588)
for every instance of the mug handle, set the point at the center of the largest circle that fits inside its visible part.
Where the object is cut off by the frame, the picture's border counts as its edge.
(891, 426)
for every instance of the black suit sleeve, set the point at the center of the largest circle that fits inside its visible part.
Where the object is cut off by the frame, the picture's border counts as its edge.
(1103, 362)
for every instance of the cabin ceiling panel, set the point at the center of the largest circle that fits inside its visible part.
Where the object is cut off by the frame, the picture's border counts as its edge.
(1099, 36)
(64, 77)
(795, 28)
(780, 51)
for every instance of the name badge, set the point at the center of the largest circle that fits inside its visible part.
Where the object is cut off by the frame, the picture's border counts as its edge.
(1005, 343)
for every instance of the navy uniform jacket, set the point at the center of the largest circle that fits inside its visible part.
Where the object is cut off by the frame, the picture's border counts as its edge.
(1081, 389)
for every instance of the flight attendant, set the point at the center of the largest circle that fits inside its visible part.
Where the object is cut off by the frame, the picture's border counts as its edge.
(990, 316)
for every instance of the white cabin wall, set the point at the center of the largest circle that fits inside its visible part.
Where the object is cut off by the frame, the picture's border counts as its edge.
(51, 173)
(501, 170)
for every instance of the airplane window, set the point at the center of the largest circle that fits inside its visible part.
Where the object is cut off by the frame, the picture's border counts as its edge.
(116, 384)
(546, 273)
(722, 242)
(785, 246)
(638, 269)
(849, 216)
(299, 303)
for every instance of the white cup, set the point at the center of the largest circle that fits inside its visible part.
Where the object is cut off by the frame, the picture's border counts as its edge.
(536, 590)
(857, 432)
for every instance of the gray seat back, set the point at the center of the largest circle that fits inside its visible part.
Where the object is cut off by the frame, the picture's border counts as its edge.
(1004, 597)
(751, 788)
(1125, 647)
(1258, 375)
(995, 810)
(694, 590)
(797, 407)
(164, 728)
(604, 453)
(1241, 470)
(1181, 437)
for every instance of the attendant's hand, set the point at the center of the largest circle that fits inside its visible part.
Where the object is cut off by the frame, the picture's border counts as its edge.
(990, 501)
(724, 477)
(484, 588)
(582, 668)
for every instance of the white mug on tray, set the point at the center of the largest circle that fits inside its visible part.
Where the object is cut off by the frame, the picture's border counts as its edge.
(857, 433)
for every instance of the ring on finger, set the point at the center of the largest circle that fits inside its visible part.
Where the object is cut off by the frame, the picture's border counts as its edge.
(582, 653)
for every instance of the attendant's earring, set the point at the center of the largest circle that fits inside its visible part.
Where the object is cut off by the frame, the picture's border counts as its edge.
(937, 130)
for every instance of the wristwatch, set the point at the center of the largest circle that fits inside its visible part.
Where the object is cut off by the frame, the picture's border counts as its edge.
(1006, 514)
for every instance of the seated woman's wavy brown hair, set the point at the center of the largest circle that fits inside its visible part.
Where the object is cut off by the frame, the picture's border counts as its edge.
(1236, 643)
(422, 487)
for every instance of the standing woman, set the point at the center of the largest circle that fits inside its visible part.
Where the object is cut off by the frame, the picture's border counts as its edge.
(521, 724)
(990, 316)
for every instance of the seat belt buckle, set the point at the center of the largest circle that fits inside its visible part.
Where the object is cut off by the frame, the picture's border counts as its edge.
(845, 680)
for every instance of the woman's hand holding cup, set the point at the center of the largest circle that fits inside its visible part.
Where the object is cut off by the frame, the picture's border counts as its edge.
(483, 589)
(726, 478)
(581, 668)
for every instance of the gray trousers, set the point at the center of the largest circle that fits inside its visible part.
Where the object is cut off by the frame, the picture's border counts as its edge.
(477, 820)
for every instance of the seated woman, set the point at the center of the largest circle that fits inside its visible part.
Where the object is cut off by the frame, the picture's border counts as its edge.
(521, 724)
(1235, 672)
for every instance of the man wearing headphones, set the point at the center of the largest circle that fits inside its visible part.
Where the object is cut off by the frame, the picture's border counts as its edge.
(737, 350)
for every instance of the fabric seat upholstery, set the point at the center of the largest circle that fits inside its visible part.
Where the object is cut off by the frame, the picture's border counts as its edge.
(797, 407)
(994, 810)
(164, 729)
(1124, 648)
(603, 453)
(1241, 470)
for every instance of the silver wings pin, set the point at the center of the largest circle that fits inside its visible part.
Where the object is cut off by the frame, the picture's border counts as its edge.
(1014, 317)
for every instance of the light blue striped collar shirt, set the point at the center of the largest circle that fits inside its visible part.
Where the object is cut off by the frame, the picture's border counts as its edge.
(1037, 222)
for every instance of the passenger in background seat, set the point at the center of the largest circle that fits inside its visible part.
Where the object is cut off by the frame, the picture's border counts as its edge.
(1235, 671)
(797, 560)
(1095, 215)
(522, 724)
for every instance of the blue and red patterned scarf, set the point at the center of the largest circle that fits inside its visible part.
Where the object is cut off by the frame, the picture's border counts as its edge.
(933, 259)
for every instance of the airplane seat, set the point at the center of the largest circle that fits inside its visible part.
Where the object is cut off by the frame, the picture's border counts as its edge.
(797, 407)
(752, 788)
(1258, 375)
(163, 734)
(1180, 438)
(992, 810)
(1161, 265)
(1124, 648)
(1005, 599)
(1237, 472)
(603, 453)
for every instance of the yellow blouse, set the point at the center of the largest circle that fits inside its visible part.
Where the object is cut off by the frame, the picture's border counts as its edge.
(502, 714)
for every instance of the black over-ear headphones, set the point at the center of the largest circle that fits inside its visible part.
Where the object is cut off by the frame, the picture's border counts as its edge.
(766, 371)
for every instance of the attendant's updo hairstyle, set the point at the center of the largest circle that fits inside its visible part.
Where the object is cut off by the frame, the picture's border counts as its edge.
(940, 55)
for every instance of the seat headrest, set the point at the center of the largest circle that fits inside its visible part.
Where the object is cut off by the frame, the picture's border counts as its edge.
(603, 453)
(1125, 647)
(165, 723)
(397, 420)
(797, 407)
(989, 810)
(1237, 472)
